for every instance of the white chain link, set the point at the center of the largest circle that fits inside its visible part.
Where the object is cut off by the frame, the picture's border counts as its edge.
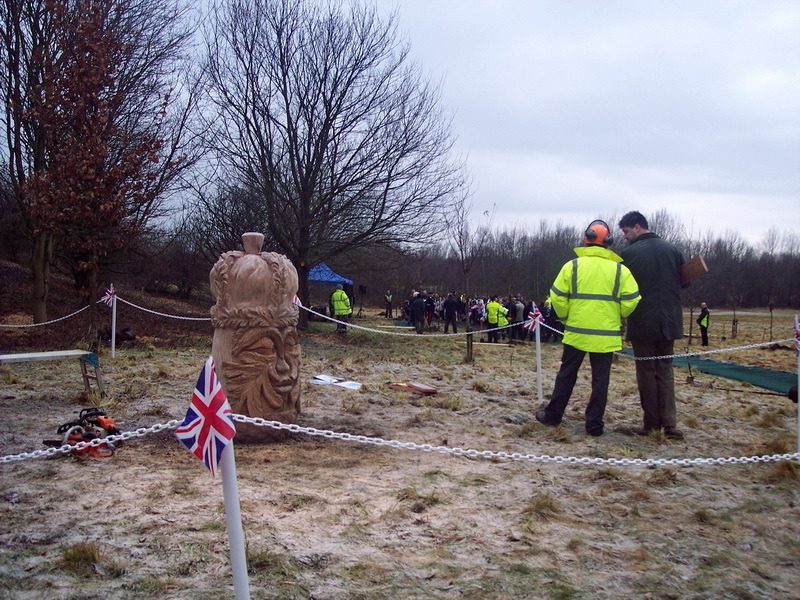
(47, 322)
(695, 354)
(160, 314)
(492, 455)
(67, 448)
(363, 439)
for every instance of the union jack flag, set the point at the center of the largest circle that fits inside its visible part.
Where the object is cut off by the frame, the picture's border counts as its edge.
(208, 426)
(534, 318)
(296, 300)
(108, 297)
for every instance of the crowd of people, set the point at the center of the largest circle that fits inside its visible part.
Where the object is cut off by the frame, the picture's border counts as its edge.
(425, 310)
(593, 298)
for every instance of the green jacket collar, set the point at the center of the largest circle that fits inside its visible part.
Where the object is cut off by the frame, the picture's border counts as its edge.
(599, 252)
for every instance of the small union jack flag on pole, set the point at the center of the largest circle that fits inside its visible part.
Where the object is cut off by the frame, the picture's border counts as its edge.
(108, 297)
(208, 426)
(296, 300)
(534, 318)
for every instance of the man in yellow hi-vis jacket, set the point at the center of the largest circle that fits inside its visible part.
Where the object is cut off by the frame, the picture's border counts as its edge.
(341, 308)
(591, 296)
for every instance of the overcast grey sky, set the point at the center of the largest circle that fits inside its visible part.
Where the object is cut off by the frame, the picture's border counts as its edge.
(571, 110)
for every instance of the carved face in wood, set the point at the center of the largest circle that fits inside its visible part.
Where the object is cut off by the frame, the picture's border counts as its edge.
(255, 336)
(282, 358)
(263, 376)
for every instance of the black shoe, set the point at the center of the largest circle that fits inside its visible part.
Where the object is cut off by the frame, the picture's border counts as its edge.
(595, 432)
(673, 433)
(541, 416)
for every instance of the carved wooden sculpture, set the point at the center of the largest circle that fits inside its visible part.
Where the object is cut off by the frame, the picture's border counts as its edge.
(255, 347)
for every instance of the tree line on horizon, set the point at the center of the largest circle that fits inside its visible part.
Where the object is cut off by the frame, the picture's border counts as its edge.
(143, 137)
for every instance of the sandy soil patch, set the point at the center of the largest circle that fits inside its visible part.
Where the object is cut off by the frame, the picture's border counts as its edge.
(327, 519)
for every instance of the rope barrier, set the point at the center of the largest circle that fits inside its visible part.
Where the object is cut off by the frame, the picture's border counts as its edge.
(47, 322)
(416, 335)
(399, 333)
(453, 451)
(160, 314)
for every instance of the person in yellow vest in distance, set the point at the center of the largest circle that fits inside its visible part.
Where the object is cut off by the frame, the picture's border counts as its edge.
(502, 321)
(341, 308)
(591, 295)
(387, 299)
(493, 309)
(702, 320)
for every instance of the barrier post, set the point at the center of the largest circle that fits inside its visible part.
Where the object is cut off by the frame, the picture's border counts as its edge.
(113, 322)
(233, 517)
(797, 352)
(539, 362)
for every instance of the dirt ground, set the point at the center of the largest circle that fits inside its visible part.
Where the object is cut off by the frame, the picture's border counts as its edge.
(329, 519)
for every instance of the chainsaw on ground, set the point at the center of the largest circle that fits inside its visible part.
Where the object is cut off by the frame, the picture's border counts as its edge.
(92, 423)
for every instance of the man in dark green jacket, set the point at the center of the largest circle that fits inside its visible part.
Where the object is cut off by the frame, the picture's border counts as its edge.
(656, 323)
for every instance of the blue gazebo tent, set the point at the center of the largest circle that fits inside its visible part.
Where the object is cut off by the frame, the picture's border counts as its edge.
(322, 274)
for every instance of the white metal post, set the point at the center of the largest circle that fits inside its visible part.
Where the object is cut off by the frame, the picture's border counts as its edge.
(539, 362)
(113, 322)
(233, 517)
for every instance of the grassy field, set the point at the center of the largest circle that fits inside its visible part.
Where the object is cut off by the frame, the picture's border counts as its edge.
(328, 519)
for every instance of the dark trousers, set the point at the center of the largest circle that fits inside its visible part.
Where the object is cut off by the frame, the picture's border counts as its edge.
(656, 382)
(450, 319)
(419, 321)
(494, 336)
(571, 360)
(341, 327)
(704, 335)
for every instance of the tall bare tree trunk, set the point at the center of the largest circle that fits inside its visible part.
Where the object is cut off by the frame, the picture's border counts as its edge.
(90, 295)
(302, 293)
(469, 358)
(40, 272)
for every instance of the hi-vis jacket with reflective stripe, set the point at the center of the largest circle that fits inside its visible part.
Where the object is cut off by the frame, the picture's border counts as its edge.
(341, 303)
(591, 296)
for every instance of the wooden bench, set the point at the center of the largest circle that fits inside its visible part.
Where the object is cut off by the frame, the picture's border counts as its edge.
(85, 357)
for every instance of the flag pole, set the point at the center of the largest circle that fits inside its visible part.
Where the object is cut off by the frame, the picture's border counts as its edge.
(797, 351)
(113, 321)
(539, 361)
(233, 516)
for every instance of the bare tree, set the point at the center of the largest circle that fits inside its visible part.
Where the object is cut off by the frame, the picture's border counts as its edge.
(466, 243)
(322, 116)
(96, 128)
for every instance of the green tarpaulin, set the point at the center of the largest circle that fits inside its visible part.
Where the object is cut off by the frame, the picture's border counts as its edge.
(777, 381)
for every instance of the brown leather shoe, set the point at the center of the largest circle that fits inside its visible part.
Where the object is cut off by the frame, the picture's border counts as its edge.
(642, 430)
(673, 433)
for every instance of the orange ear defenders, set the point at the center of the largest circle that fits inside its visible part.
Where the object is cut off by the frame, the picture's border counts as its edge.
(599, 233)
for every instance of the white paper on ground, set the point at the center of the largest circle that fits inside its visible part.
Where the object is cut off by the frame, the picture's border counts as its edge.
(328, 379)
(325, 379)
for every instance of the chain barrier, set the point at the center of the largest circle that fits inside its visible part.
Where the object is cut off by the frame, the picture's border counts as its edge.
(47, 322)
(100, 441)
(376, 441)
(696, 354)
(492, 455)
